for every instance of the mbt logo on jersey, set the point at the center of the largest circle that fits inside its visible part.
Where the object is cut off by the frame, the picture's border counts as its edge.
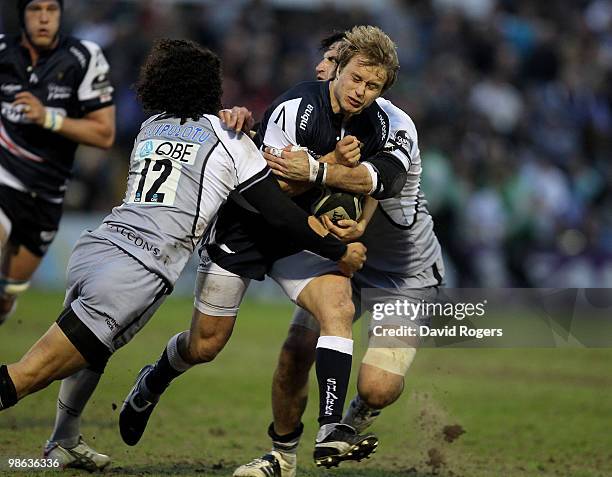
(305, 117)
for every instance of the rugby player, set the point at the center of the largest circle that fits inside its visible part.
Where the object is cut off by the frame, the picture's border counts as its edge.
(315, 115)
(183, 167)
(55, 94)
(403, 255)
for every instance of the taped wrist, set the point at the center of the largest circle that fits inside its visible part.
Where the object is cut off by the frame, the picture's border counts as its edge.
(318, 170)
(53, 120)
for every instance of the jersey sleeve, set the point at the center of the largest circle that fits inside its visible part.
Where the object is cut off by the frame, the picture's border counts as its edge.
(400, 157)
(95, 91)
(245, 161)
(402, 142)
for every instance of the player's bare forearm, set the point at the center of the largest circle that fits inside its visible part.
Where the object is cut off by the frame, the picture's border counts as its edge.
(293, 188)
(329, 158)
(96, 129)
(369, 207)
(349, 179)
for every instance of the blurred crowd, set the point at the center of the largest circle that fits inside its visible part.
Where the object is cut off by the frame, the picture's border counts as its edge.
(512, 100)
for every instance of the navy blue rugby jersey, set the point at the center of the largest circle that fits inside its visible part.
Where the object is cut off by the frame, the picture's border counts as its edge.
(240, 241)
(73, 79)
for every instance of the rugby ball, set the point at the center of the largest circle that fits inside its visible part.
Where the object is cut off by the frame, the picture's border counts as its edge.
(338, 205)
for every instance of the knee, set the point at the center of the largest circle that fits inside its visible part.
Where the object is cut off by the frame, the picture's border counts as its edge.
(336, 318)
(379, 397)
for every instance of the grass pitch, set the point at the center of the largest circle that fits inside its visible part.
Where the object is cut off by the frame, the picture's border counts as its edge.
(524, 412)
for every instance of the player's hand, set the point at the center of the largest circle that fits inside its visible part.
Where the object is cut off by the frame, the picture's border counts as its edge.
(33, 109)
(348, 151)
(238, 118)
(353, 259)
(288, 164)
(346, 230)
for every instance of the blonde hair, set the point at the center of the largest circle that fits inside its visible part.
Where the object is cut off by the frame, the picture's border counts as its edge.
(375, 46)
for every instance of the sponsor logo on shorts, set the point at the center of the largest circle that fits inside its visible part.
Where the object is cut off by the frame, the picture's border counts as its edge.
(111, 323)
(47, 236)
(135, 239)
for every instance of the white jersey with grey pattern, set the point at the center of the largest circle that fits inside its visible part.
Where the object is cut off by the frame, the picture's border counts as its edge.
(180, 174)
(400, 237)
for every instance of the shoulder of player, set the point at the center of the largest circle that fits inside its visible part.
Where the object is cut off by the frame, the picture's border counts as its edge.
(306, 90)
(301, 96)
(396, 118)
(300, 105)
(81, 51)
(235, 144)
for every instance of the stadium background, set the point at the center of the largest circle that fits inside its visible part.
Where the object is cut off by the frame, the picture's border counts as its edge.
(513, 104)
(512, 100)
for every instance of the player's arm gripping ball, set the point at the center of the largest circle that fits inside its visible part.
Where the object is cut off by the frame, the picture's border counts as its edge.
(349, 230)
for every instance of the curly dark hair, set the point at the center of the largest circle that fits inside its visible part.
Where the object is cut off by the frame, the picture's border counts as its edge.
(180, 78)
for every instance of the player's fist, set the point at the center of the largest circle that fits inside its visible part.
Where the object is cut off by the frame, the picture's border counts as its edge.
(32, 108)
(353, 259)
(238, 118)
(348, 151)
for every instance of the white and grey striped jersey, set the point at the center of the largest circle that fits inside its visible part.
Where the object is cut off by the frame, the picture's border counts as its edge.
(179, 176)
(400, 237)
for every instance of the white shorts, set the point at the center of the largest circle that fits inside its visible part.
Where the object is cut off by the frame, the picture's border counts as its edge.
(293, 273)
(217, 291)
(421, 286)
(110, 292)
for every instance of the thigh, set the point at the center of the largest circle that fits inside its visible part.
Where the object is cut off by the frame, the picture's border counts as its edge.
(294, 273)
(51, 358)
(112, 293)
(328, 299)
(34, 222)
(218, 292)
